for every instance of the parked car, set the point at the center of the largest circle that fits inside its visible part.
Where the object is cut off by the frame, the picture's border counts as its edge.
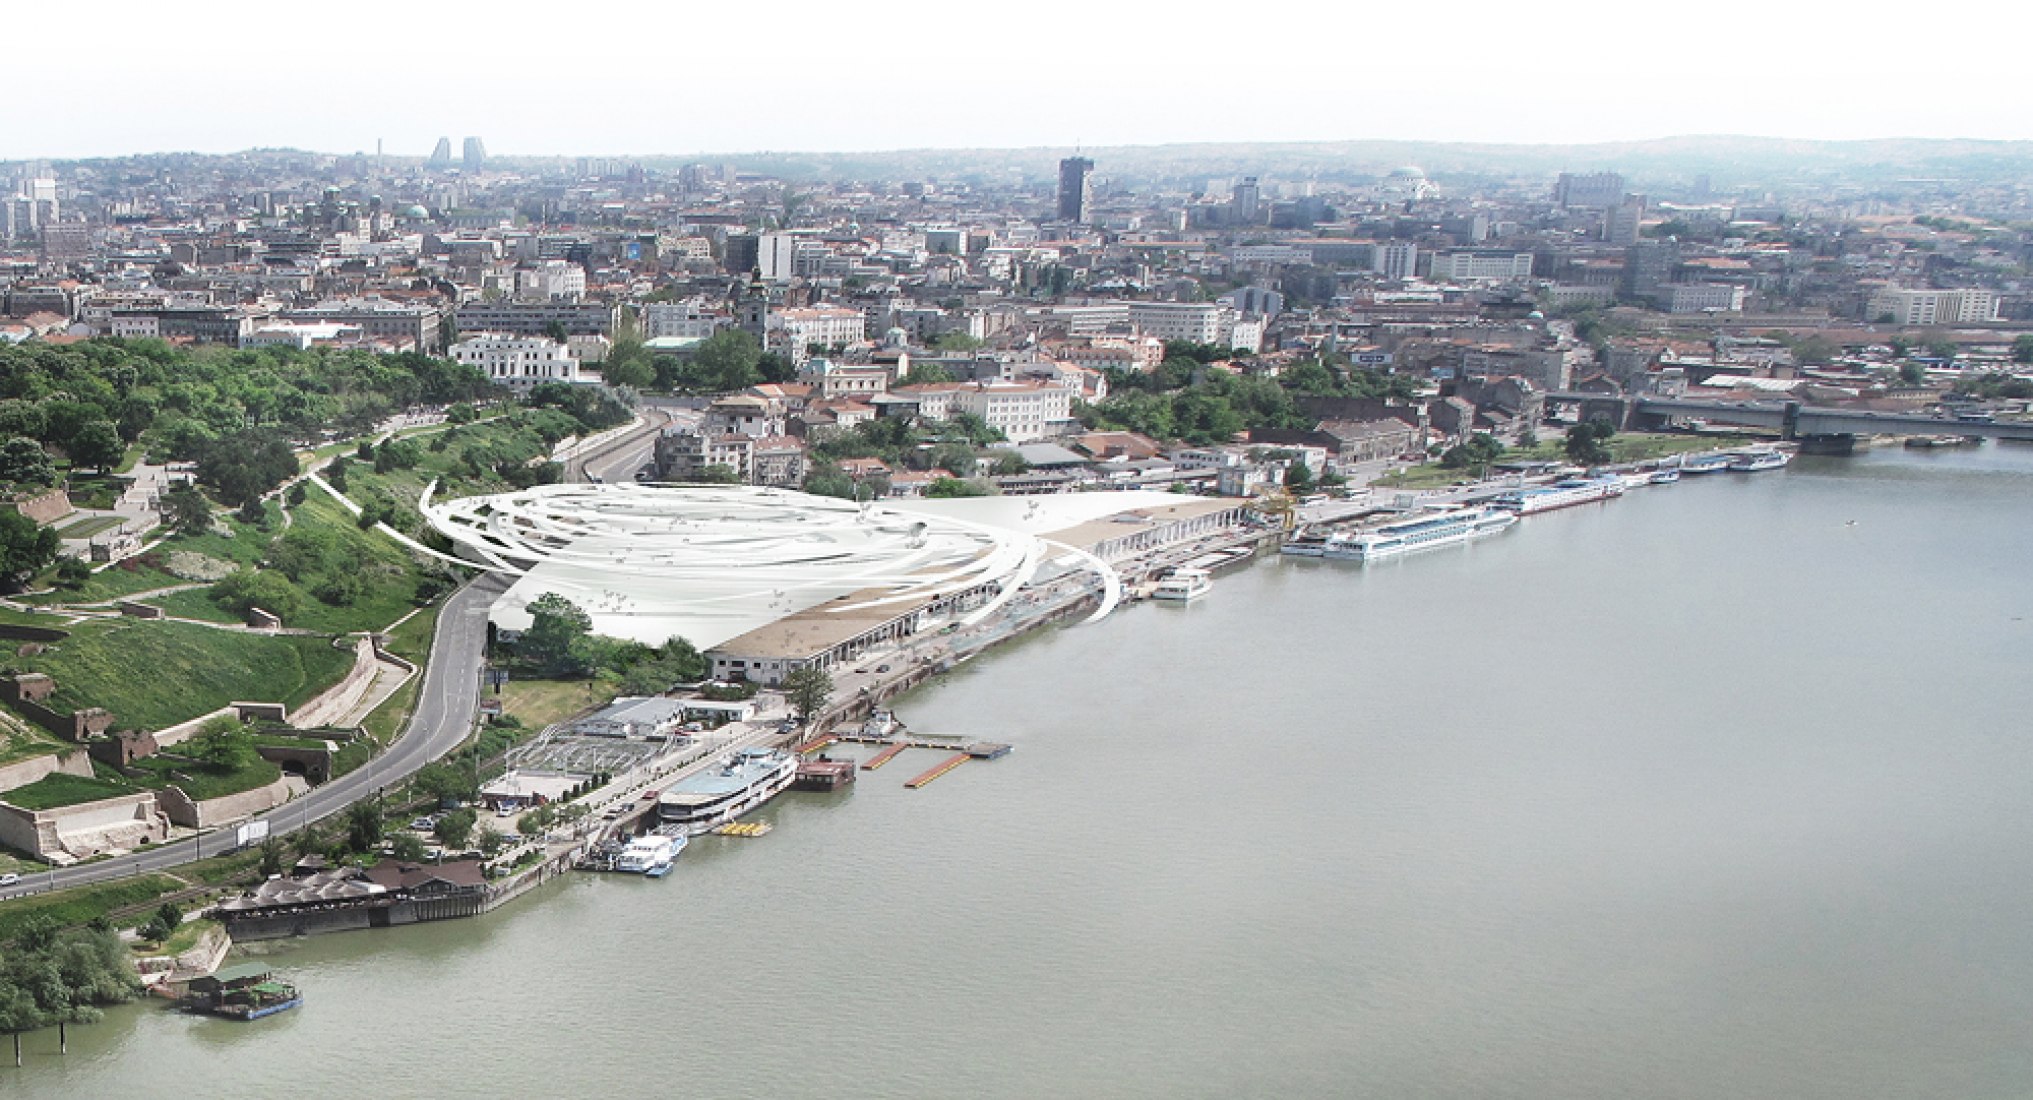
(424, 824)
(9, 879)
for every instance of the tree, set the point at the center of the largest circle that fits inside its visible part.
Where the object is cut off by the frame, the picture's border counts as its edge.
(50, 977)
(363, 825)
(271, 857)
(1945, 350)
(724, 361)
(97, 445)
(718, 474)
(186, 511)
(443, 782)
(1478, 451)
(554, 639)
(307, 841)
(1585, 442)
(26, 547)
(807, 690)
(223, 743)
(633, 371)
(1912, 374)
(407, 847)
(73, 572)
(927, 374)
(243, 590)
(1298, 477)
(24, 462)
(2022, 349)
(455, 829)
(942, 487)
(955, 341)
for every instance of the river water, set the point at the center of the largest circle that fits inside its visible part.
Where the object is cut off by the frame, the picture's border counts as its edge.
(1719, 790)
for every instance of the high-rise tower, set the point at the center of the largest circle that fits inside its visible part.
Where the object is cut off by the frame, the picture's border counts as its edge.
(1073, 192)
(441, 156)
(475, 153)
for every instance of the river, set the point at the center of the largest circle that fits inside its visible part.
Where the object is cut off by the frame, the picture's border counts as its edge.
(1719, 790)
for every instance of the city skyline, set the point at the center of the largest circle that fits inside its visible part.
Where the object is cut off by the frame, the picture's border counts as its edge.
(812, 83)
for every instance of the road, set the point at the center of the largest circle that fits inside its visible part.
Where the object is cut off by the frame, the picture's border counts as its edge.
(619, 459)
(446, 703)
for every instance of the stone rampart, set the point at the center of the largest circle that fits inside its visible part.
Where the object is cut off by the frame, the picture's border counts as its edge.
(22, 773)
(193, 814)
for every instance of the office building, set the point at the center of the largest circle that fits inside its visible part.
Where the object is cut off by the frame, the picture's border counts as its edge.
(1073, 191)
(1598, 190)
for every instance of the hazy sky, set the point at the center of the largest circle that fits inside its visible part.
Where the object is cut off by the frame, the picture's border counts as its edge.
(122, 76)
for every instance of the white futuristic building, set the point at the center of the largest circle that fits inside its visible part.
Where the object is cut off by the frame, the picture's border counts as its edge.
(714, 563)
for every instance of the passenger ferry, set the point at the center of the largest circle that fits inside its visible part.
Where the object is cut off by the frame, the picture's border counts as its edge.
(1745, 462)
(1705, 464)
(651, 855)
(716, 796)
(1561, 494)
(1184, 585)
(1423, 532)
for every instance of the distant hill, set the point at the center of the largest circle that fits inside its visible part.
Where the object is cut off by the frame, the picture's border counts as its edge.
(1731, 161)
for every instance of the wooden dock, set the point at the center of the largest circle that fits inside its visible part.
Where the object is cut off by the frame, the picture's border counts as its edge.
(813, 745)
(884, 757)
(940, 769)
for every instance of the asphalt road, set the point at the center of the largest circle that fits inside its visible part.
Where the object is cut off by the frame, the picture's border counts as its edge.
(620, 459)
(446, 704)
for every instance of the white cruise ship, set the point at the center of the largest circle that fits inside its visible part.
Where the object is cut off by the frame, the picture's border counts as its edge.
(1562, 494)
(1183, 585)
(1420, 533)
(1755, 460)
(718, 795)
(650, 855)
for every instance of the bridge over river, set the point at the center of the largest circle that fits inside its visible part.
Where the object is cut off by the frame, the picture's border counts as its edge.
(1820, 429)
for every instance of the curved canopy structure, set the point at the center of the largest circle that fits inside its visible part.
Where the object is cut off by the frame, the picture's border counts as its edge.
(709, 563)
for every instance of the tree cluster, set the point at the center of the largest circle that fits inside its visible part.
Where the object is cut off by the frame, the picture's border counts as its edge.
(1185, 399)
(1587, 444)
(50, 977)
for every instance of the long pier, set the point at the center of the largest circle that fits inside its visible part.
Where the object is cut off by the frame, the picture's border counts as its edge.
(883, 757)
(939, 769)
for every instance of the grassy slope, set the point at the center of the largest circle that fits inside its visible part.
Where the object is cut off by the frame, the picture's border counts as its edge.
(81, 904)
(189, 670)
(61, 789)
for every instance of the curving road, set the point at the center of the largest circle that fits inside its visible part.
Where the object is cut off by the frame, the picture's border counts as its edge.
(446, 703)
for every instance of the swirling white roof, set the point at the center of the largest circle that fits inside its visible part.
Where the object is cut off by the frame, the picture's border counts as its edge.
(710, 563)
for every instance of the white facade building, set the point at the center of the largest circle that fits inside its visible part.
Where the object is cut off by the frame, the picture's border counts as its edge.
(1395, 259)
(677, 320)
(1470, 266)
(1200, 322)
(551, 281)
(1933, 307)
(1022, 411)
(1703, 298)
(827, 326)
(517, 360)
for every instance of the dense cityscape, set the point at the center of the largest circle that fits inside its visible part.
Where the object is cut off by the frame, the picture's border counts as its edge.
(390, 537)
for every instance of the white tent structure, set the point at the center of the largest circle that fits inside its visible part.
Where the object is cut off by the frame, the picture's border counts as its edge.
(710, 563)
